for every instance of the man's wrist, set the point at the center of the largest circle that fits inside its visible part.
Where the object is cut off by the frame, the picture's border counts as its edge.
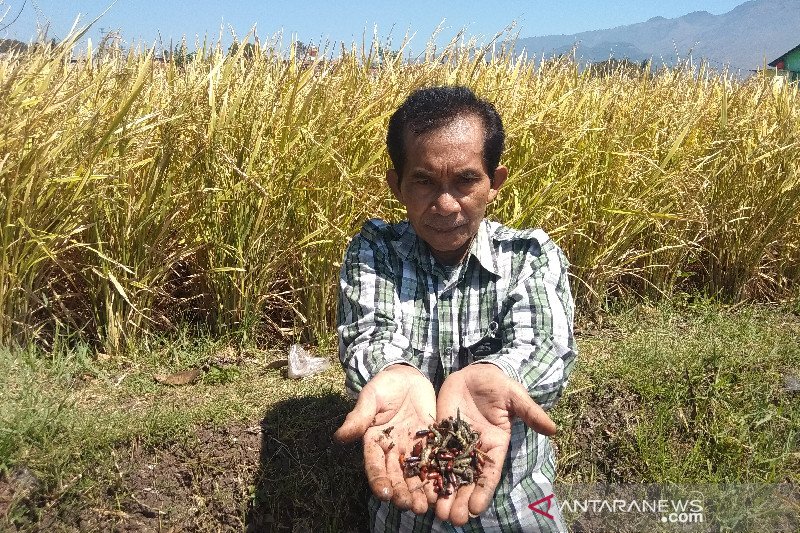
(506, 368)
(395, 364)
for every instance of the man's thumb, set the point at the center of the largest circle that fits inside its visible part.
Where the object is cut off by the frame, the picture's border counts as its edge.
(358, 420)
(531, 413)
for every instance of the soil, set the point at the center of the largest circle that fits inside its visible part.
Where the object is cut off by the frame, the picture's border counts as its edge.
(229, 478)
(201, 484)
(281, 473)
(603, 436)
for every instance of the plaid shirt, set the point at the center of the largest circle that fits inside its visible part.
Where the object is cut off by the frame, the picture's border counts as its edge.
(508, 304)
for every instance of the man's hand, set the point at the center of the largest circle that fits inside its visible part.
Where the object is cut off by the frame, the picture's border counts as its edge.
(390, 409)
(489, 400)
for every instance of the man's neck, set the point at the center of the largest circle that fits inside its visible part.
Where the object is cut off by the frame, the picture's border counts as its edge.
(455, 257)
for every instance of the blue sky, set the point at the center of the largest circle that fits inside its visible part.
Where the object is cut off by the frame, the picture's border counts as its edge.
(318, 21)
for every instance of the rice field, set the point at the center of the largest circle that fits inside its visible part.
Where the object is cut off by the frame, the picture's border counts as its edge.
(139, 197)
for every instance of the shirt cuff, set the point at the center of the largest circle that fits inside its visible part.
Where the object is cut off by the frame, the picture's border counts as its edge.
(399, 362)
(509, 370)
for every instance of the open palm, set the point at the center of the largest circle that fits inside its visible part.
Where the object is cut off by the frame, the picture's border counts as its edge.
(489, 400)
(390, 409)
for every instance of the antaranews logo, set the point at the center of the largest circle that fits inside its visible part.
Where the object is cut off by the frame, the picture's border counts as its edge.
(547, 499)
(672, 511)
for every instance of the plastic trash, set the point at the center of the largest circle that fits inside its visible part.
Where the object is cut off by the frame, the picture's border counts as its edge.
(303, 364)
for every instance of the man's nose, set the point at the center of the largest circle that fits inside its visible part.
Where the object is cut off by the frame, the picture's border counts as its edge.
(446, 204)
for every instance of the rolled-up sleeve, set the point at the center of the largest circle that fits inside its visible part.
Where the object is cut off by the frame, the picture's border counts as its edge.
(538, 343)
(368, 322)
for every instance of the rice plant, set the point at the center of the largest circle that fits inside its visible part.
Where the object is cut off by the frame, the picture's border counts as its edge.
(221, 190)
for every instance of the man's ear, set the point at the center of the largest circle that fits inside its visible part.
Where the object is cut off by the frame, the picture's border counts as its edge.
(499, 178)
(394, 182)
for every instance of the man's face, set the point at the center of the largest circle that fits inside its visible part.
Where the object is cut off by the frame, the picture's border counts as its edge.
(445, 187)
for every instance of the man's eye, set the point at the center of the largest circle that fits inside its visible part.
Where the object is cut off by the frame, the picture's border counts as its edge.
(422, 181)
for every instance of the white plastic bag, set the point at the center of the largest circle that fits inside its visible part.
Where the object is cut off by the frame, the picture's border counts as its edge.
(302, 364)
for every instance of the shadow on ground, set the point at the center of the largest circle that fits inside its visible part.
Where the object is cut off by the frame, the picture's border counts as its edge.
(282, 474)
(305, 482)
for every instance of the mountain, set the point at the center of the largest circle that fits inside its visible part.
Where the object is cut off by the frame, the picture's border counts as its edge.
(12, 45)
(744, 38)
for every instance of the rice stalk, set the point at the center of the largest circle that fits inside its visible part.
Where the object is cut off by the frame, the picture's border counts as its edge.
(220, 190)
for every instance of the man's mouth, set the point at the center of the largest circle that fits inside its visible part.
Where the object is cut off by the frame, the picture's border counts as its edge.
(446, 229)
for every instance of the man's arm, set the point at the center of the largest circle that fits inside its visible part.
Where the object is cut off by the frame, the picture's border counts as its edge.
(394, 398)
(531, 372)
(370, 336)
(538, 344)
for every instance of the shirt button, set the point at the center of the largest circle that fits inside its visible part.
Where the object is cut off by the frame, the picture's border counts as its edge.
(448, 351)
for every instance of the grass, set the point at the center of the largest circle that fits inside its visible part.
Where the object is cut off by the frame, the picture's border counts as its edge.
(695, 395)
(69, 420)
(690, 392)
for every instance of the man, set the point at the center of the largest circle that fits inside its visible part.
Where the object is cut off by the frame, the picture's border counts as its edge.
(448, 312)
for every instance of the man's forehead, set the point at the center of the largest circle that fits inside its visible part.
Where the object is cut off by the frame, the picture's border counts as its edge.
(466, 126)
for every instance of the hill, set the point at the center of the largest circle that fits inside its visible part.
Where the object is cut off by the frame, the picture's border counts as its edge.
(12, 45)
(745, 38)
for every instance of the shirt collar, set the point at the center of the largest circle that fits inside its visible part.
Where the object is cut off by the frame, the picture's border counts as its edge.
(406, 239)
(410, 246)
(482, 248)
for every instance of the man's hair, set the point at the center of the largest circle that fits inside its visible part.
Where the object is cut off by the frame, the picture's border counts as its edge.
(431, 108)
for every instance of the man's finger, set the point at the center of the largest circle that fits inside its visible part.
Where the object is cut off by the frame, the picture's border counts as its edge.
(419, 497)
(375, 469)
(443, 506)
(358, 420)
(531, 413)
(459, 512)
(401, 495)
(484, 489)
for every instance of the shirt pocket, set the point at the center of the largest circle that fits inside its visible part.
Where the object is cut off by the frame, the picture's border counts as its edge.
(414, 322)
(480, 344)
(471, 338)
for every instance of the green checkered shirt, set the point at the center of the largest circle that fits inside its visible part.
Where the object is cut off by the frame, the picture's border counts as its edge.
(398, 305)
